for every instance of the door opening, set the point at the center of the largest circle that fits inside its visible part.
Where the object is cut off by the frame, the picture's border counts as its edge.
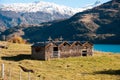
(84, 53)
(55, 52)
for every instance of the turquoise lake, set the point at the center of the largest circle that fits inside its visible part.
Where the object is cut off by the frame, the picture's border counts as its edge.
(107, 48)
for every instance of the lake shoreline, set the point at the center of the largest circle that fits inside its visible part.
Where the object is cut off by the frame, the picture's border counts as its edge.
(112, 48)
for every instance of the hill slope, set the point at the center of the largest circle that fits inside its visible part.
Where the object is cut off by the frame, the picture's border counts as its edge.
(100, 66)
(99, 25)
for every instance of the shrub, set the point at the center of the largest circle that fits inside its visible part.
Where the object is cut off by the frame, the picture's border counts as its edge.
(17, 39)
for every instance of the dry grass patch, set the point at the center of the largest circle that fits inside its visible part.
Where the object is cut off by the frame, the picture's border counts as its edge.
(101, 66)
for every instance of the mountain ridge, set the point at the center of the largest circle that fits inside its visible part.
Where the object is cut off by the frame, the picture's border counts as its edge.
(42, 6)
(39, 6)
(100, 24)
(35, 13)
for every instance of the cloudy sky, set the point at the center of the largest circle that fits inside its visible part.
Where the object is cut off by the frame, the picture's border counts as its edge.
(70, 3)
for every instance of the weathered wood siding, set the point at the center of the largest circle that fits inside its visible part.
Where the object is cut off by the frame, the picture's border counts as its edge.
(38, 52)
(49, 52)
(61, 50)
(88, 47)
(76, 49)
(64, 49)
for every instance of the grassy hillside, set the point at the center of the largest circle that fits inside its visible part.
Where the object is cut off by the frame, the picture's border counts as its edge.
(101, 66)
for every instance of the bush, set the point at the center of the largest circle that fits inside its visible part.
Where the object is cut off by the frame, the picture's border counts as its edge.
(17, 39)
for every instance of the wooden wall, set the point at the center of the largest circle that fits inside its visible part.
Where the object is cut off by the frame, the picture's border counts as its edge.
(64, 49)
(38, 53)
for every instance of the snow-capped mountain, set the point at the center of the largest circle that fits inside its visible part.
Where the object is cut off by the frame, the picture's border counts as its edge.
(35, 13)
(44, 7)
(40, 6)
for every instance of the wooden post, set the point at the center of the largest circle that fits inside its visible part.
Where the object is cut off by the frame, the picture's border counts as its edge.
(2, 68)
(9, 74)
(3, 73)
(20, 75)
(28, 75)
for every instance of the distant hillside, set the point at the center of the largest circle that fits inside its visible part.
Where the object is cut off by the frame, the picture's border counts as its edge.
(99, 25)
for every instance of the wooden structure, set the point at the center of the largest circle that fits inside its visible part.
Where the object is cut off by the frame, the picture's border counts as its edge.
(61, 49)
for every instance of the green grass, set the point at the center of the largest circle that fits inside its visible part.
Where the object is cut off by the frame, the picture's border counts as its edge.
(101, 66)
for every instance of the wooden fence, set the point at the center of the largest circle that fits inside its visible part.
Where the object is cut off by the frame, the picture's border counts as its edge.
(9, 74)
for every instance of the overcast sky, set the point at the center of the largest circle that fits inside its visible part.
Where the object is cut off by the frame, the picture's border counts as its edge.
(70, 3)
